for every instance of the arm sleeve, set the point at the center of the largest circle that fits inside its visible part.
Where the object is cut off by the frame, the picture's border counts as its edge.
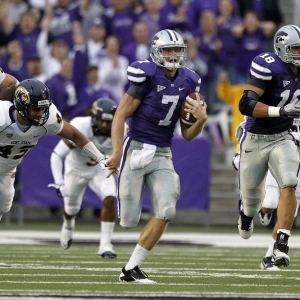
(56, 161)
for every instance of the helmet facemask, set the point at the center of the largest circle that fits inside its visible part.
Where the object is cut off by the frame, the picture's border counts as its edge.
(168, 39)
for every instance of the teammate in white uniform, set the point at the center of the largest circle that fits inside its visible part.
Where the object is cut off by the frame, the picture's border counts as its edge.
(22, 124)
(271, 199)
(81, 171)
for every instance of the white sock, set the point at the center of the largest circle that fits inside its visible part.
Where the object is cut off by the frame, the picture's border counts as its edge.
(70, 222)
(270, 249)
(137, 257)
(107, 229)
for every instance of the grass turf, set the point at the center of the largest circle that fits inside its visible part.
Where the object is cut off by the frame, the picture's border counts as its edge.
(187, 271)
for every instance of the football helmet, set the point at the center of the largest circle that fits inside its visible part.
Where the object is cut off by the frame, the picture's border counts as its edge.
(168, 39)
(102, 109)
(32, 93)
(285, 39)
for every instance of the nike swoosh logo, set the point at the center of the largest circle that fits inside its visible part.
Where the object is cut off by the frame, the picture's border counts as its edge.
(247, 151)
(181, 89)
(35, 136)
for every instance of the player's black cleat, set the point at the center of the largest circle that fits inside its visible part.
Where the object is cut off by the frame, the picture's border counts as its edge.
(135, 275)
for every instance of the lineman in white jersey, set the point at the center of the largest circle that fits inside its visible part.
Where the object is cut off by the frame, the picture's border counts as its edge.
(81, 172)
(22, 124)
(271, 198)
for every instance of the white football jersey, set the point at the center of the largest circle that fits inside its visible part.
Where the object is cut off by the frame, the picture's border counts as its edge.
(77, 158)
(14, 143)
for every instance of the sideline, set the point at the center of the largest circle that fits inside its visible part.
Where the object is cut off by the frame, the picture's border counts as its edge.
(31, 237)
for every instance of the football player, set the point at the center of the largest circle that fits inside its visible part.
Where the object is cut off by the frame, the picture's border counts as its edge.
(152, 105)
(270, 100)
(80, 171)
(22, 123)
(272, 194)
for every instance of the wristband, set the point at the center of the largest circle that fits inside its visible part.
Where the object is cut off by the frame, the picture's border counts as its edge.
(91, 150)
(273, 111)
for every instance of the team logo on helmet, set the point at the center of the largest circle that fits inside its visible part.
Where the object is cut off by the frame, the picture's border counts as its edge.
(280, 37)
(22, 94)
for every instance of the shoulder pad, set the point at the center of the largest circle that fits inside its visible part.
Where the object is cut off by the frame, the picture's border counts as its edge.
(192, 77)
(265, 66)
(139, 70)
(4, 113)
(83, 124)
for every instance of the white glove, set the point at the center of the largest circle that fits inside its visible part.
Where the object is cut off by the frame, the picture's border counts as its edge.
(290, 111)
(102, 162)
(61, 189)
(236, 161)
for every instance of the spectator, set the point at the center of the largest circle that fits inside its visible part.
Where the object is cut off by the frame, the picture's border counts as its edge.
(173, 15)
(196, 8)
(63, 16)
(251, 38)
(65, 93)
(89, 91)
(35, 69)
(15, 9)
(112, 68)
(210, 46)
(268, 13)
(89, 10)
(119, 20)
(151, 17)
(13, 62)
(53, 53)
(195, 60)
(227, 17)
(27, 34)
(95, 41)
(139, 48)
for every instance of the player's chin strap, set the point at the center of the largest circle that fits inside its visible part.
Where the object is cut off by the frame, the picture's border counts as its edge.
(91, 150)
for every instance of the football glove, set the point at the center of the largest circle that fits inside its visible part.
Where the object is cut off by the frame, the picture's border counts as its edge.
(236, 161)
(61, 189)
(290, 111)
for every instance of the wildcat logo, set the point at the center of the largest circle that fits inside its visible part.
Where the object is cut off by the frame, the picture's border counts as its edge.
(280, 37)
(22, 94)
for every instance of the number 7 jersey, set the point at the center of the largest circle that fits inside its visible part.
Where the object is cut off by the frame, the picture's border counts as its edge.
(281, 87)
(14, 143)
(154, 120)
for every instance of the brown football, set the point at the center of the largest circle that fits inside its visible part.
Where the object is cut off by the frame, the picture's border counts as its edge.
(186, 117)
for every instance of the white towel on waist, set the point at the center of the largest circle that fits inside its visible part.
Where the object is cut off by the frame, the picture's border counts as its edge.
(141, 158)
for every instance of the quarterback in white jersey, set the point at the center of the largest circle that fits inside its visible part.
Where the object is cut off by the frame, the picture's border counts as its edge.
(80, 171)
(22, 124)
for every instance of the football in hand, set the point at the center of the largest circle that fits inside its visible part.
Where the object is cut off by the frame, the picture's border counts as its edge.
(186, 117)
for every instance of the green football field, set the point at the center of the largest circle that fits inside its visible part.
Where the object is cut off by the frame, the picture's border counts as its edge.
(33, 266)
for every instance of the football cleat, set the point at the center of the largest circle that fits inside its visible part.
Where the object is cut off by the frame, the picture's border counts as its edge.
(245, 226)
(135, 275)
(268, 264)
(66, 236)
(264, 219)
(107, 251)
(280, 254)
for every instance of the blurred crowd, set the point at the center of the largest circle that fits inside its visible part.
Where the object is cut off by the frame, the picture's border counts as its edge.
(81, 48)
